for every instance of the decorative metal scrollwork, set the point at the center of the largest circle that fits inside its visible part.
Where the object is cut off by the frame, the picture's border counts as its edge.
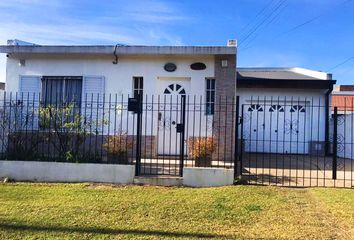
(291, 127)
(165, 124)
(149, 107)
(246, 118)
(210, 124)
(340, 142)
(340, 120)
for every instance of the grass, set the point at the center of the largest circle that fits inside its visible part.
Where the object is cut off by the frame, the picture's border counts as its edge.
(85, 211)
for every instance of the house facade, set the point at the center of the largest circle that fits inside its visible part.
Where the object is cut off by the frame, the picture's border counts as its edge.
(79, 104)
(92, 76)
(110, 69)
(280, 105)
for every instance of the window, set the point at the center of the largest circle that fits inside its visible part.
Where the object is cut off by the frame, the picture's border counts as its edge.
(138, 86)
(59, 90)
(297, 108)
(255, 107)
(210, 96)
(175, 88)
(274, 108)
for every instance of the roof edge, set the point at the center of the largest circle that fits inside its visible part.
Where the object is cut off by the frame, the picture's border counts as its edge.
(299, 70)
(123, 50)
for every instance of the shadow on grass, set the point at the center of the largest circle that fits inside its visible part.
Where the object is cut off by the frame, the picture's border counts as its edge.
(265, 179)
(95, 230)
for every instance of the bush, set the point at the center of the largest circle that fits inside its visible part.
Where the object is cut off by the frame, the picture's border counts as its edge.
(68, 129)
(202, 149)
(117, 147)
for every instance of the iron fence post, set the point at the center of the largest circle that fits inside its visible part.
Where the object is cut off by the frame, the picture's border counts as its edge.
(241, 140)
(182, 136)
(335, 142)
(236, 153)
(138, 137)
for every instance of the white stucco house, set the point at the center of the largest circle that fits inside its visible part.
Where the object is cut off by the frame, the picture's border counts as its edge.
(89, 74)
(273, 101)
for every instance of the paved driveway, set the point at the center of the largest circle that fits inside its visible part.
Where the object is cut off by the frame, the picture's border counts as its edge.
(297, 170)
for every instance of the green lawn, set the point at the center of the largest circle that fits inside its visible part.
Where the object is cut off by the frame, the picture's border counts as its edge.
(84, 211)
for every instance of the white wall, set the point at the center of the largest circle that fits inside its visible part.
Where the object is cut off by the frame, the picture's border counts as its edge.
(67, 172)
(118, 77)
(207, 177)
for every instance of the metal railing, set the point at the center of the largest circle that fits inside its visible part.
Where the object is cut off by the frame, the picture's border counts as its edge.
(169, 133)
(277, 141)
(297, 142)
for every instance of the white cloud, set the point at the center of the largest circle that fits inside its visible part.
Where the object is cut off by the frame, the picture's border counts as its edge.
(49, 23)
(154, 12)
(71, 22)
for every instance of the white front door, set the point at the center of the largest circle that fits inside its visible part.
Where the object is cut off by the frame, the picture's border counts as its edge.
(169, 114)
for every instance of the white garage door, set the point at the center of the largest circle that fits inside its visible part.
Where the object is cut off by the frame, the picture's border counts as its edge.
(275, 128)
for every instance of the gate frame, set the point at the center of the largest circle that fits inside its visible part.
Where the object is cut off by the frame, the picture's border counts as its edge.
(180, 129)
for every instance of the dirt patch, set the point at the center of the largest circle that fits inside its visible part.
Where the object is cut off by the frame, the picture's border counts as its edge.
(105, 186)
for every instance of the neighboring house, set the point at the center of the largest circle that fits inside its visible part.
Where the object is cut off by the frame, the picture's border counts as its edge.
(287, 106)
(343, 99)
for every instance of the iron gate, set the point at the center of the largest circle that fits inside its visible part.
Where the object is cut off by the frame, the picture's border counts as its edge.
(296, 142)
(177, 131)
(165, 119)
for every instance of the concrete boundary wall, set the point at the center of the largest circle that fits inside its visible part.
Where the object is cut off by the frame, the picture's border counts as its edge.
(207, 177)
(67, 172)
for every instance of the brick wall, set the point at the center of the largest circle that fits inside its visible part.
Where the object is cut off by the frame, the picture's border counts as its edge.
(224, 116)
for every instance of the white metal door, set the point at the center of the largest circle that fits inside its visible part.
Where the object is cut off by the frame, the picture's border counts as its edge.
(255, 128)
(169, 114)
(276, 128)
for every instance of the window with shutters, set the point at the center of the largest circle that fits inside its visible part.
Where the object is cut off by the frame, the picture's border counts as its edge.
(64, 93)
(138, 86)
(210, 96)
(58, 90)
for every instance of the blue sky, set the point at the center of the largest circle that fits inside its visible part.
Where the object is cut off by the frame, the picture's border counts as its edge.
(315, 34)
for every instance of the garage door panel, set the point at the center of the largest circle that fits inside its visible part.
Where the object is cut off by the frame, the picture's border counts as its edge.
(276, 128)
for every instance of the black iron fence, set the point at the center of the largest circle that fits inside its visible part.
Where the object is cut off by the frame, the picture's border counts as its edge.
(297, 142)
(165, 134)
(280, 141)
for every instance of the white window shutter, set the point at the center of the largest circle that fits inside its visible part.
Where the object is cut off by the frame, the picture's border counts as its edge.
(93, 85)
(93, 90)
(30, 84)
(29, 90)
